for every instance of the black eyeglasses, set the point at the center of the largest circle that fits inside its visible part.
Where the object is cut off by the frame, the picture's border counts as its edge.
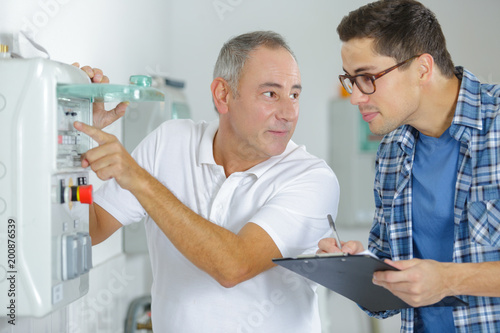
(366, 82)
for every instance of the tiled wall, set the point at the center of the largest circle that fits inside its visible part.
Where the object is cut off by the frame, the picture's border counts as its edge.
(114, 284)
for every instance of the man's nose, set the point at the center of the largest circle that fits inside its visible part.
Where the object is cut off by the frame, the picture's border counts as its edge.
(289, 109)
(357, 97)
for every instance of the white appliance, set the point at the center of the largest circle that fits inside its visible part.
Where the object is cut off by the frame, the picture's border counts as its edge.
(45, 247)
(44, 193)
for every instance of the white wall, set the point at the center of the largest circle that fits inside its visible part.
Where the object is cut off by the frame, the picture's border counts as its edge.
(310, 28)
(181, 38)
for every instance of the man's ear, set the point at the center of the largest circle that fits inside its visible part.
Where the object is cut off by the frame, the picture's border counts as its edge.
(220, 94)
(425, 67)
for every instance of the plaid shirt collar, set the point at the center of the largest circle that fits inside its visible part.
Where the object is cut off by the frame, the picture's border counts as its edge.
(466, 113)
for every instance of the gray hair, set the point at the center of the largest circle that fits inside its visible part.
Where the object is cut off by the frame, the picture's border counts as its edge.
(236, 51)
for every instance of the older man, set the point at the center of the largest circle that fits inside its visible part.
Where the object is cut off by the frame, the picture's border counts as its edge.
(223, 198)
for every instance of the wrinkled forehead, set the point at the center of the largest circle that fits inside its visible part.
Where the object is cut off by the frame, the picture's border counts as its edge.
(268, 62)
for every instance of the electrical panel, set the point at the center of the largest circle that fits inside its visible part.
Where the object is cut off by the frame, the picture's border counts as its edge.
(45, 246)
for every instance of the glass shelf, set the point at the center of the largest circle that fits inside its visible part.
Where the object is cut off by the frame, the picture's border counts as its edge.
(139, 91)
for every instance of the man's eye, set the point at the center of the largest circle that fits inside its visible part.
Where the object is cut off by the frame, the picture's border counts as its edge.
(269, 94)
(294, 96)
(364, 79)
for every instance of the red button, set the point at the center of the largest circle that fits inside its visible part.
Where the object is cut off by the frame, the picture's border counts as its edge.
(85, 194)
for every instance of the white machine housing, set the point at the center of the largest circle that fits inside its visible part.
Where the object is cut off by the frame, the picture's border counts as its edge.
(46, 264)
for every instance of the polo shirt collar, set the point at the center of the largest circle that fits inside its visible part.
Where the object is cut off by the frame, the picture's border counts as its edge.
(262, 167)
(206, 152)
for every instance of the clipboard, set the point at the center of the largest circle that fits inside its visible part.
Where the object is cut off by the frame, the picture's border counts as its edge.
(351, 277)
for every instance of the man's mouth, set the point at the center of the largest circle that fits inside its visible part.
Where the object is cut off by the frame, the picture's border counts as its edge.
(279, 132)
(369, 116)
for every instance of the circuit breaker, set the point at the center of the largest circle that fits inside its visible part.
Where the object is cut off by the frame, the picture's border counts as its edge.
(45, 246)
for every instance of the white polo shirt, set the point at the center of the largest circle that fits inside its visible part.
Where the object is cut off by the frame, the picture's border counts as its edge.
(289, 196)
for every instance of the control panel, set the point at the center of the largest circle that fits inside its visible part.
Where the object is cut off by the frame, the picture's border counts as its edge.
(70, 143)
(45, 245)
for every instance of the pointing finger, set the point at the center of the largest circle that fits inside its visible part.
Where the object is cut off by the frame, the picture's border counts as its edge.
(99, 136)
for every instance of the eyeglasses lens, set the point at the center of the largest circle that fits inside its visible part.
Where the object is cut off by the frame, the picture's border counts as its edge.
(347, 83)
(365, 84)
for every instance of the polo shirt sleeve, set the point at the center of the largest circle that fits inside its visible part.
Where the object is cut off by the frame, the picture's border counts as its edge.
(120, 203)
(296, 216)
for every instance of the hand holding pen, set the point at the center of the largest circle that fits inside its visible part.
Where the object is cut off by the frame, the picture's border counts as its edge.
(332, 245)
(334, 229)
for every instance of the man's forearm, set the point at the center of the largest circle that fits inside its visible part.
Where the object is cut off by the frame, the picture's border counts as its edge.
(227, 257)
(101, 224)
(477, 279)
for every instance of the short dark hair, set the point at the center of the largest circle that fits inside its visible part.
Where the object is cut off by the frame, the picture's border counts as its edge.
(400, 29)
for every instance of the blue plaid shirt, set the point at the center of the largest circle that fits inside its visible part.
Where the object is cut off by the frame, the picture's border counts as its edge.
(476, 125)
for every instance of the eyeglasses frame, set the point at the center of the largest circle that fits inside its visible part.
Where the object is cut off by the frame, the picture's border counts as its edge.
(372, 77)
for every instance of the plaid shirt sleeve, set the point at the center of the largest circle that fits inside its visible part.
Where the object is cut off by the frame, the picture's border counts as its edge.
(476, 125)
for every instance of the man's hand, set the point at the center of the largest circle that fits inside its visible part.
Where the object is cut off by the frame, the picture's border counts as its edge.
(329, 245)
(110, 159)
(102, 118)
(418, 283)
